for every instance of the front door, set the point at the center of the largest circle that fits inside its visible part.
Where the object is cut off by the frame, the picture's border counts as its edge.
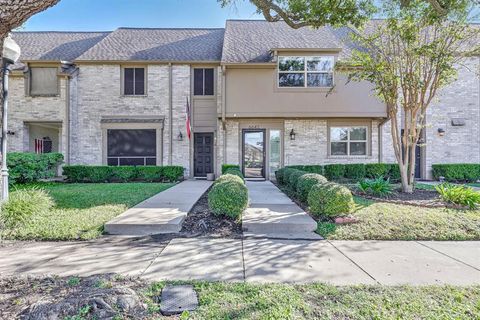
(203, 154)
(254, 153)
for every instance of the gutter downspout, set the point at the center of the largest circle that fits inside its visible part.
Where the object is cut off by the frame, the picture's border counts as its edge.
(224, 111)
(170, 114)
(67, 120)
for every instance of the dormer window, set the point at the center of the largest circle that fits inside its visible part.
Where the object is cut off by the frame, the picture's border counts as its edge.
(305, 72)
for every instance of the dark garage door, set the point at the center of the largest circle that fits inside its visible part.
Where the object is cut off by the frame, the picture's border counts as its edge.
(131, 147)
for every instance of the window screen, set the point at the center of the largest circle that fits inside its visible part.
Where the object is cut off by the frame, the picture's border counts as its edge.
(134, 81)
(131, 147)
(43, 81)
(203, 82)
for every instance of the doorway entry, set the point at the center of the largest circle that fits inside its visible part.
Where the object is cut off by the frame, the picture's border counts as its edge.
(203, 154)
(253, 153)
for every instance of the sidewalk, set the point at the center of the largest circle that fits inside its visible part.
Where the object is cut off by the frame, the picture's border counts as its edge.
(252, 260)
(271, 214)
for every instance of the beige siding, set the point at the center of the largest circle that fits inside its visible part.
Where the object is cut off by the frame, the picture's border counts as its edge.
(254, 93)
(204, 114)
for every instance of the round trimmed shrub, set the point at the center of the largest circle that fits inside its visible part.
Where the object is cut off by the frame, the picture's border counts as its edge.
(228, 198)
(23, 203)
(306, 182)
(330, 199)
(229, 177)
(280, 175)
(293, 179)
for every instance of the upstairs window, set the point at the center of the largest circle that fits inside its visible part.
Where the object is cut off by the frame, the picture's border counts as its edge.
(306, 72)
(134, 81)
(348, 141)
(203, 82)
(43, 81)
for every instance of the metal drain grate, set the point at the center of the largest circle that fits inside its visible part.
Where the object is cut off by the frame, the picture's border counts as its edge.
(176, 299)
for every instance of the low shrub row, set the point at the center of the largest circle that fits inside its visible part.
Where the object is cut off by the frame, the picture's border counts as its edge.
(457, 172)
(80, 173)
(27, 167)
(323, 197)
(354, 171)
(229, 195)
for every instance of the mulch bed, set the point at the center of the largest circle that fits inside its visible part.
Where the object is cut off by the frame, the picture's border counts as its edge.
(419, 198)
(201, 221)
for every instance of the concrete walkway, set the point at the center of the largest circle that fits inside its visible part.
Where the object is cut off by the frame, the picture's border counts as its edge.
(162, 213)
(271, 214)
(252, 260)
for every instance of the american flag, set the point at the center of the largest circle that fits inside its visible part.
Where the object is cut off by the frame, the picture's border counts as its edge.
(187, 123)
(38, 145)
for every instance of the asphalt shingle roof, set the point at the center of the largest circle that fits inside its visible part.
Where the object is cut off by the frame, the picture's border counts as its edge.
(250, 41)
(158, 45)
(55, 46)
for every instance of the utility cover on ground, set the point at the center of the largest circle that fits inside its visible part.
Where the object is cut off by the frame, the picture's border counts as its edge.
(176, 299)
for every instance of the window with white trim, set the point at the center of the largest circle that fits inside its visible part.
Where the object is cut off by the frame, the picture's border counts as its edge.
(305, 72)
(348, 141)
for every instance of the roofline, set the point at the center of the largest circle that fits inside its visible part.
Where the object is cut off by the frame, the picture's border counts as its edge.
(153, 28)
(56, 31)
(146, 62)
(307, 49)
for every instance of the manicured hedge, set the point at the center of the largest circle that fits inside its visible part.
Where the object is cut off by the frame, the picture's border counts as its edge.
(330, 199)
(29, 167)
(352, 172)
(229, 195)
(80, 173)
(280, 175)
(226, 167)
(457, 172)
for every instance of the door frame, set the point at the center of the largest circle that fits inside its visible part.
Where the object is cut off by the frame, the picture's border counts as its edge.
(264, 131)
(212, 152)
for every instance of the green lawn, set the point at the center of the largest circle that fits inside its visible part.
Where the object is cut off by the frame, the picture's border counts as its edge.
(386, 221)
(81, 209)
(320, 301)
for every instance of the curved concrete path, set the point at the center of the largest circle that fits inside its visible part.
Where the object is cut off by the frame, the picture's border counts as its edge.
(271, 214)
(162, 213)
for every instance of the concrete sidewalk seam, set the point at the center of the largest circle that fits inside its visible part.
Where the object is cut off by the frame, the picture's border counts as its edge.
(356, 264)
(243, 263)
(448, 256)
(154, 258)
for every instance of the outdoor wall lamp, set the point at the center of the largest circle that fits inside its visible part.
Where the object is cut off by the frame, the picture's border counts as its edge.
(180, 136)
(292, 134)
(10, 55)
(10, 133)
(441, 132)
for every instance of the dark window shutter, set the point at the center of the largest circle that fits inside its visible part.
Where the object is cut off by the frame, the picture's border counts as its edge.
(208, 82)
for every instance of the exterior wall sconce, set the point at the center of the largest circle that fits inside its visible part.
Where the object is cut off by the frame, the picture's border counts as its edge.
(441, 132)
(180, 136)
(292, 135)
(10, 133)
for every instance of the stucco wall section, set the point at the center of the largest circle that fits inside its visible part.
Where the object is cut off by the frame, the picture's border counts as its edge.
(23, 108)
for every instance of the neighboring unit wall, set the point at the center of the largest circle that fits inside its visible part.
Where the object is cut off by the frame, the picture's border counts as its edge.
(24, 109)
(99, 95)
(459, 100)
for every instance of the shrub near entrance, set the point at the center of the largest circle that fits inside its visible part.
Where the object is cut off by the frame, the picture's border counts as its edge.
(228, 197)
(306, 182)
(330, 199)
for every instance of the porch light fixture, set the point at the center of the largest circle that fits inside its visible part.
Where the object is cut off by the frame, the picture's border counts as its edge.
(180, 136)
(441, 132)
(292, 134)
(10, 54)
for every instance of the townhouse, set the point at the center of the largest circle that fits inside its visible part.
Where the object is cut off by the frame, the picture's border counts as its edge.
(257, 94)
